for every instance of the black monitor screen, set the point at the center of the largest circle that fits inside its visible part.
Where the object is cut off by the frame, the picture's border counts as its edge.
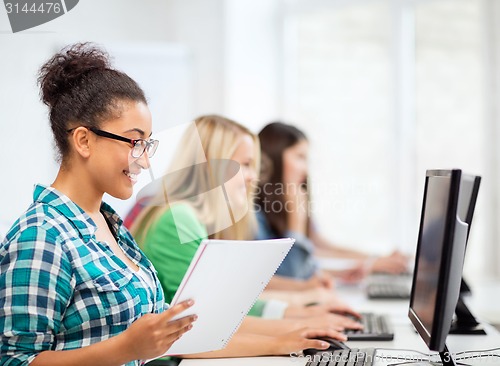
(431, 249)
(439, 259)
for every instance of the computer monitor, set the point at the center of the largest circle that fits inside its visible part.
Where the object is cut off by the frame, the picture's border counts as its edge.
(465, 322)
(438, 261)
(469, 189)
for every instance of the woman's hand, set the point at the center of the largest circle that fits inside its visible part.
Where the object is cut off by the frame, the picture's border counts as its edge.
(294, 311)
(295, 342)
(319, 295)
(331, 321)
(296, 208)
(153, 334)
(395, 263)
(148, 337)
(304, 297)
(320, 279)
(354, 274)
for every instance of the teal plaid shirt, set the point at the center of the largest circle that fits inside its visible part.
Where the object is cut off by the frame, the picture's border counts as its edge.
(60, 288)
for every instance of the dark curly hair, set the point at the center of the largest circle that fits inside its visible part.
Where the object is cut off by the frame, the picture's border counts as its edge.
(79, 86)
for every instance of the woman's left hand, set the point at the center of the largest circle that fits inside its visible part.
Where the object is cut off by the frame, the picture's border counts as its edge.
(295, 311)
(395, 263)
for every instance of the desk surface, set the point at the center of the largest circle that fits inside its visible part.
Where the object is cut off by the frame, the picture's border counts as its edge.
(485, 301)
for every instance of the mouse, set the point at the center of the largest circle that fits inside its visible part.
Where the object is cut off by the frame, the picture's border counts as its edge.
(334, 345)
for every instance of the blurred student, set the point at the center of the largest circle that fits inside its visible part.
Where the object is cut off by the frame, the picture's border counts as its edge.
(283, 210)
(207, 194)
(74, 287)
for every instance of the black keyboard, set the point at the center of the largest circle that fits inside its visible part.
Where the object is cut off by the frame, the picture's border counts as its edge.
(376, 327)
(350, 357)
(387, 286)
(388, 291)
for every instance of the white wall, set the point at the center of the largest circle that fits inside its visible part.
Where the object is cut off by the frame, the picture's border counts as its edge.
(29, 155)
(253, 65)
(231, 72)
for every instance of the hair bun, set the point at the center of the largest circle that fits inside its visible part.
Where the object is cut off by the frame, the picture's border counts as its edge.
(66, 68)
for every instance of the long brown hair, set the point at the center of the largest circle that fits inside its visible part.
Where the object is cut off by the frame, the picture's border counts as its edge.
(275, 138)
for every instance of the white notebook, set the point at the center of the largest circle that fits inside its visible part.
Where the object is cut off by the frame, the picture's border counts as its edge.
(225, 278)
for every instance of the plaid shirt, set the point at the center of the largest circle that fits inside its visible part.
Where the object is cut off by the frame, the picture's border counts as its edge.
(60, 288)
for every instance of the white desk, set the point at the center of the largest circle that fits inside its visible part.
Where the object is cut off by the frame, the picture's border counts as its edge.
(485, 297)
(485, 301)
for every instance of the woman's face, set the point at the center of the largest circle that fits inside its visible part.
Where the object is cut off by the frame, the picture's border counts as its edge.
(113, 168)
(244, 155)
(295, 163)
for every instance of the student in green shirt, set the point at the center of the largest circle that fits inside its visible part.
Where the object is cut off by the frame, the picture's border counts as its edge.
(209, 193)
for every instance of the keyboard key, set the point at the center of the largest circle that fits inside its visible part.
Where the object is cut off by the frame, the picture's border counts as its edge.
(376, 328)
(349, 357)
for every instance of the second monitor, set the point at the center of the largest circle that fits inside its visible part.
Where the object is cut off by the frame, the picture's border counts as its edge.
(439, 261)
(465, 322)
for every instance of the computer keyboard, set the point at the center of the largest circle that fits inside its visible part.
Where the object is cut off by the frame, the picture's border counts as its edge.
(388, 291)
(351, 357)
(389, 286)
(376, 327)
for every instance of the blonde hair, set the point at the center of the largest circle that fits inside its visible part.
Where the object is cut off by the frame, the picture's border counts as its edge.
(200, 165)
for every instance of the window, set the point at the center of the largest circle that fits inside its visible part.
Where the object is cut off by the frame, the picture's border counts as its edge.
(344, 86)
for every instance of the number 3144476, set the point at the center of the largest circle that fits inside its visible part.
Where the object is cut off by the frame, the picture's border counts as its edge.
(33, 8)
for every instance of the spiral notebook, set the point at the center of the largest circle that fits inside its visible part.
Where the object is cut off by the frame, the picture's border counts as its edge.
(225, 278)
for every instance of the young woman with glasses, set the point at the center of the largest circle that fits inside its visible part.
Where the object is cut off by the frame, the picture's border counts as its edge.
(74, 287)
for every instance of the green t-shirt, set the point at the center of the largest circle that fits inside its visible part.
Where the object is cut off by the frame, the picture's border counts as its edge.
(171, 243)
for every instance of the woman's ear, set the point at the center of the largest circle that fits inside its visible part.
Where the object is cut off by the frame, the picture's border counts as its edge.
(81, 141)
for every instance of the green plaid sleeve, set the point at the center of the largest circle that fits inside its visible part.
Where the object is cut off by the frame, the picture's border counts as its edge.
(36, 285)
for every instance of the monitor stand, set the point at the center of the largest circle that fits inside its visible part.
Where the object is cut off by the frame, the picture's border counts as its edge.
(464, 288)
(465, 323)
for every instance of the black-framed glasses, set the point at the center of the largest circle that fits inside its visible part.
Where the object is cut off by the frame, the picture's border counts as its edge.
(138, 145)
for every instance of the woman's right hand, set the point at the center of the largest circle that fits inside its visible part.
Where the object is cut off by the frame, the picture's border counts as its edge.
(354, 274)
(320, 279)
(153, 334)
(295, 342)
(294, 311)
(333, 321)
(395, 263)
(296, 208)
(320, 295)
